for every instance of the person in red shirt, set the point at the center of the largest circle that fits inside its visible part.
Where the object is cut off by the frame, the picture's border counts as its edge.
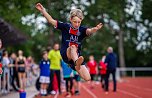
(102, 71)
(92, 66)
(1, 54)
(1, 70)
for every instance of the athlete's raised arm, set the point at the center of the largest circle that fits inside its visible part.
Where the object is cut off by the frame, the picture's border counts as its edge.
(49, 18)
(90, 31)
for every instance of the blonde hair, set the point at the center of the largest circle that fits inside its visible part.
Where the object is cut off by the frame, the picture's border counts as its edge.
(76, 12)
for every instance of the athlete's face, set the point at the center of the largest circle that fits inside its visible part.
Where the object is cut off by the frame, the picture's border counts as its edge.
(76, 22)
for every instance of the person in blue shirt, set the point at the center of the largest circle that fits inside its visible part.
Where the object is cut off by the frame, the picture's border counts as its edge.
(72, 36)
(111, 62)
(44, 74)
(76, 83)
(68, 77)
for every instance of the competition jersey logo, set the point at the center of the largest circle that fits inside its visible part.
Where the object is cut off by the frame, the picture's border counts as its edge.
(74, 37)
(1, 70)
(46, 62)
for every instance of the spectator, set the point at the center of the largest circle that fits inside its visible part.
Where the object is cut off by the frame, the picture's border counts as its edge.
(21, 61)
(1, 55)
(68, 77)
(6, 70)
(111, 62)
(35, 69)
(55, 66)
(76, 82)
(92, 66)
(102, 71)
(29, 63)
(13, 72)
(44, 74)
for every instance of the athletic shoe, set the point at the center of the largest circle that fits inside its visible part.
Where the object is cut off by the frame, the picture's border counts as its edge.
(77, 93)
(53, 92)
(67, 95)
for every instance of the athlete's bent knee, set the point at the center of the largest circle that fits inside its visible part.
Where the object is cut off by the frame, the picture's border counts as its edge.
(73, 46)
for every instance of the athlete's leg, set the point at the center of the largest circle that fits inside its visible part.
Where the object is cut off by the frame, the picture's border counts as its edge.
(69, 53)
(72, 54)
(84, 73)
(81, 69)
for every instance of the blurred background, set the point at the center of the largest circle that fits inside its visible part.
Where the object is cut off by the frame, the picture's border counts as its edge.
(127, 27)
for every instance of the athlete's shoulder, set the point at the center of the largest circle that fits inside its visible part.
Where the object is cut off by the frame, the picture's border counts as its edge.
(61, 23)
(66, 23)
(83, 27)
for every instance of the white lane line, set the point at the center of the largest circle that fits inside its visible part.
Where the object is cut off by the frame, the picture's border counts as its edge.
(56, 95)
(92, 94)
(148, 89)
(138, 87)
(128, 93)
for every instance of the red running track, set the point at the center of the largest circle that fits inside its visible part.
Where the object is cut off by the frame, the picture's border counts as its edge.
(126, 88)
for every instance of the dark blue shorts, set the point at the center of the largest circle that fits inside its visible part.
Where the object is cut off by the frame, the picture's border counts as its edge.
(77, 78)
(71, 63)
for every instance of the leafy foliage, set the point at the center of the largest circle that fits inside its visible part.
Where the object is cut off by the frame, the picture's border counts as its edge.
(112, 13)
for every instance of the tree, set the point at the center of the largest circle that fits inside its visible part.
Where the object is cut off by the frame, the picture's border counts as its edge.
(122, 20)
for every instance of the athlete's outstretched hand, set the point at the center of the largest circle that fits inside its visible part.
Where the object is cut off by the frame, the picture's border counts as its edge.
(40, 7)
(90, 31)
(49, 18)
(97, 27)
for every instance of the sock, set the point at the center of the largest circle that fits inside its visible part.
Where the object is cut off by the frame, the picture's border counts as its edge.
(45, 92)
(41, 91)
